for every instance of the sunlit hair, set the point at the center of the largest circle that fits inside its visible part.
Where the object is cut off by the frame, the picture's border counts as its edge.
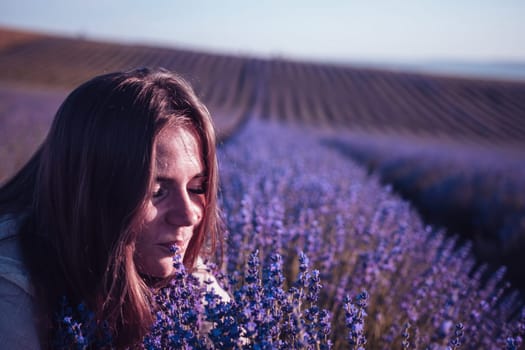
(84, 191)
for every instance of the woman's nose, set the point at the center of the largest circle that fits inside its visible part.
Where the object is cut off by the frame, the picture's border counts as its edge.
(183, 211)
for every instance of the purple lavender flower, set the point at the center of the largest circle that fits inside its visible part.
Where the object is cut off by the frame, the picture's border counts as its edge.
(78, 329)
(355, 313)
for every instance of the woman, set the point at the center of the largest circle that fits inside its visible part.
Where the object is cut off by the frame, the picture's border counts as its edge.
(127, 170)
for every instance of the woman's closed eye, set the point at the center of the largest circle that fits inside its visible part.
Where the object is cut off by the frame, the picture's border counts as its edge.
(159, 192)
(197, 190)
(199, 187)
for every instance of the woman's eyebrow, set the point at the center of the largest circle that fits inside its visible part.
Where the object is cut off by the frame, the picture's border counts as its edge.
(162, 178)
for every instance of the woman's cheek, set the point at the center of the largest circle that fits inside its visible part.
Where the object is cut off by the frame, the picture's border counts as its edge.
(151, 213)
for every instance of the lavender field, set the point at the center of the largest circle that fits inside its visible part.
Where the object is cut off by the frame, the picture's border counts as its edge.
(404, 191)
(471, 188)
(25, 117)
(284, 192)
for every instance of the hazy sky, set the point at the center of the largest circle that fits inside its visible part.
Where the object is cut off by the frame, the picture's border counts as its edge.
(367, 30)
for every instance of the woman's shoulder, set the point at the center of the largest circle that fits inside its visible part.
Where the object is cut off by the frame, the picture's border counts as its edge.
(17, 329)
(203, 273)
(12, 266)
(17, 320)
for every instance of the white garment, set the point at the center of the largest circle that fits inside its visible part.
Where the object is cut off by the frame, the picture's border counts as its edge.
(17, 323)
(203, 274)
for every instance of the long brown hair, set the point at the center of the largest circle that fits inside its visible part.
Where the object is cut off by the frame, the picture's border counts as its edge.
(84, 190)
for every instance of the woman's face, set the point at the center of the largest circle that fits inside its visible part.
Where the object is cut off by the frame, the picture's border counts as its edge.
(176, 204)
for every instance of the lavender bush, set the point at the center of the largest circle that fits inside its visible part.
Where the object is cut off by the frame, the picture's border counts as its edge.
(262, 315)
(191, 316)
(474, 188)
(283, 192)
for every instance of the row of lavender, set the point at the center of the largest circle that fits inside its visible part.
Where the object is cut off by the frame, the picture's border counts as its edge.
(387, 280)
(474, 189)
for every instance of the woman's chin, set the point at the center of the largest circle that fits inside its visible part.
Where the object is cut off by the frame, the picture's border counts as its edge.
(165, 269)
(160, 269)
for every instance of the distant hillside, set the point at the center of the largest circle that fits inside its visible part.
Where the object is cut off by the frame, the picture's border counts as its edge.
(492, 70)
(10, 37)
(321, 95)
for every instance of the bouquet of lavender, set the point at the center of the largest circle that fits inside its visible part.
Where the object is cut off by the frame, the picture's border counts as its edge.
(178, 321)
(262, 314)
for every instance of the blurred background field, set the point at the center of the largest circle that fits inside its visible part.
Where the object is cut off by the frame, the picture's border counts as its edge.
(451, 142)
